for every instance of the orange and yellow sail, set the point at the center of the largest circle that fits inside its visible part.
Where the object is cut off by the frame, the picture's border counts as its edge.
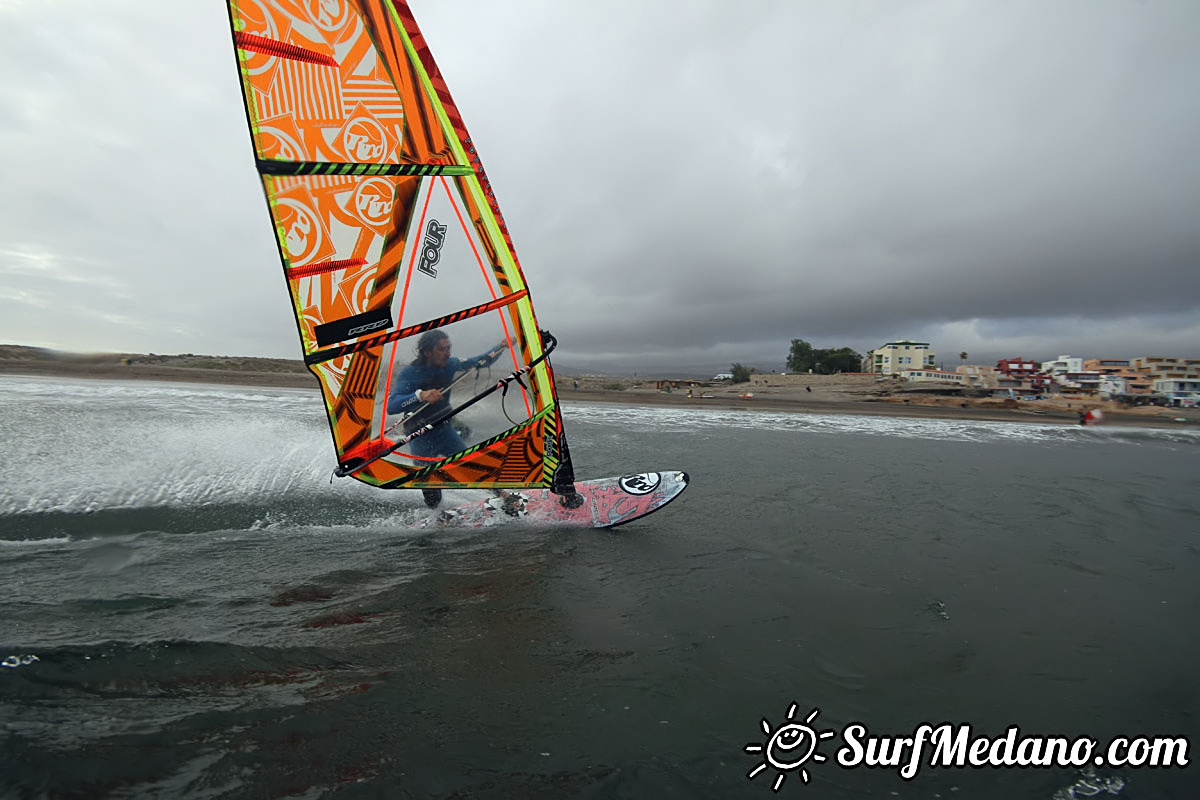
(387, 227)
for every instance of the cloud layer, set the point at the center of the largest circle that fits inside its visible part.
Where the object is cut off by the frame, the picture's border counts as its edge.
(687, 184)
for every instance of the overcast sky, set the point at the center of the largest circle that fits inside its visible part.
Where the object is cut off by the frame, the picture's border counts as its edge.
(688, 184)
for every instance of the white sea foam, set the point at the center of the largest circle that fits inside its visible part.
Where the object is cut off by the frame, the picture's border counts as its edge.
(88, 446)
(47, 542)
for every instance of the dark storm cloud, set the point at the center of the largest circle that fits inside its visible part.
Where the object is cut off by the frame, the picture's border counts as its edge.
(864, 172)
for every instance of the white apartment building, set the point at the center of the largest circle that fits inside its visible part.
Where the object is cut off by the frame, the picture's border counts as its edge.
(1179, 392)
(1062, 365)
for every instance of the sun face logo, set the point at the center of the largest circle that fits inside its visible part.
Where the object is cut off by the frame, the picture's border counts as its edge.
(788, 747)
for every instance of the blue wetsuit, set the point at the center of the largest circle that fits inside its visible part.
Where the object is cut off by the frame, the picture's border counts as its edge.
(443, 440)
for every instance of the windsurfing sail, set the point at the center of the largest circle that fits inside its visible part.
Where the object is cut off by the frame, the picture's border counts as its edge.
(391, 240)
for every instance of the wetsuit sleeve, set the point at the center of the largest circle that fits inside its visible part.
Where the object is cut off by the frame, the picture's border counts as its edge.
(403, 398)
(486, 359)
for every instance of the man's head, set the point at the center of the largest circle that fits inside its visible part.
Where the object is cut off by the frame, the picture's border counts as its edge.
(433, 348)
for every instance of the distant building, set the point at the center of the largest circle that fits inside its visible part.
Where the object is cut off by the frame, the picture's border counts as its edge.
(1112, 386)
(1179, 392)
(978, 376)
(1107, 366)
(932, 376)
(904, 354)
(1024, 372)
(1161, 368)
(1124, 385)
(1079, 382)
(1062, 365)
(1007, 386)
(1069, 373)
(1118, 377)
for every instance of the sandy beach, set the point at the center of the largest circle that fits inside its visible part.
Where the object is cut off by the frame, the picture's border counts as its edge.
(861, 394)
(820, 394)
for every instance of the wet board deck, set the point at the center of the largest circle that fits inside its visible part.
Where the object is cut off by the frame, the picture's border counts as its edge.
(607, 502)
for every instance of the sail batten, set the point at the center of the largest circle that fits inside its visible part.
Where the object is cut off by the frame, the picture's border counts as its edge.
(273, 47)
(397, 261)
(412, 330)
(281, 167)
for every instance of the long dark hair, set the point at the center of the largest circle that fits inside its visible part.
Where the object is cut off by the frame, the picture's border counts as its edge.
(425, 344)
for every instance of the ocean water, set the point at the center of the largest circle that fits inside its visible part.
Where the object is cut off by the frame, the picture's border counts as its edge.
(191, 608)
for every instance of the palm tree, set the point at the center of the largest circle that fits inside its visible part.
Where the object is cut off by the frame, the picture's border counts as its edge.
(963, 356)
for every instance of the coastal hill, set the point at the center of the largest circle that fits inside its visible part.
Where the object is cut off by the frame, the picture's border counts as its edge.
(241, 370)
(284, 372)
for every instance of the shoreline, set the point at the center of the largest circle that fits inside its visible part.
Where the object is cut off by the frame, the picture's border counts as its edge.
(623, 391)
(172, 374)
(876, 408)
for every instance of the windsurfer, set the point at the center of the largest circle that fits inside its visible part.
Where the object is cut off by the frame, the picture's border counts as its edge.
(423, 387)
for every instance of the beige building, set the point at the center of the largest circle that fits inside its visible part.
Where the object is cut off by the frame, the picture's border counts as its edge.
(904, 354)
(1107, 366)
(1117, 376)
(978, 376)
(1159, 368)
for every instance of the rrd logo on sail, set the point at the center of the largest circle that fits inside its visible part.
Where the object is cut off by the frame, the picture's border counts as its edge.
(431, 248)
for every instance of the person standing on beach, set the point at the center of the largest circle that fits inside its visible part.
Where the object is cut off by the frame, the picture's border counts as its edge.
(422, 389)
